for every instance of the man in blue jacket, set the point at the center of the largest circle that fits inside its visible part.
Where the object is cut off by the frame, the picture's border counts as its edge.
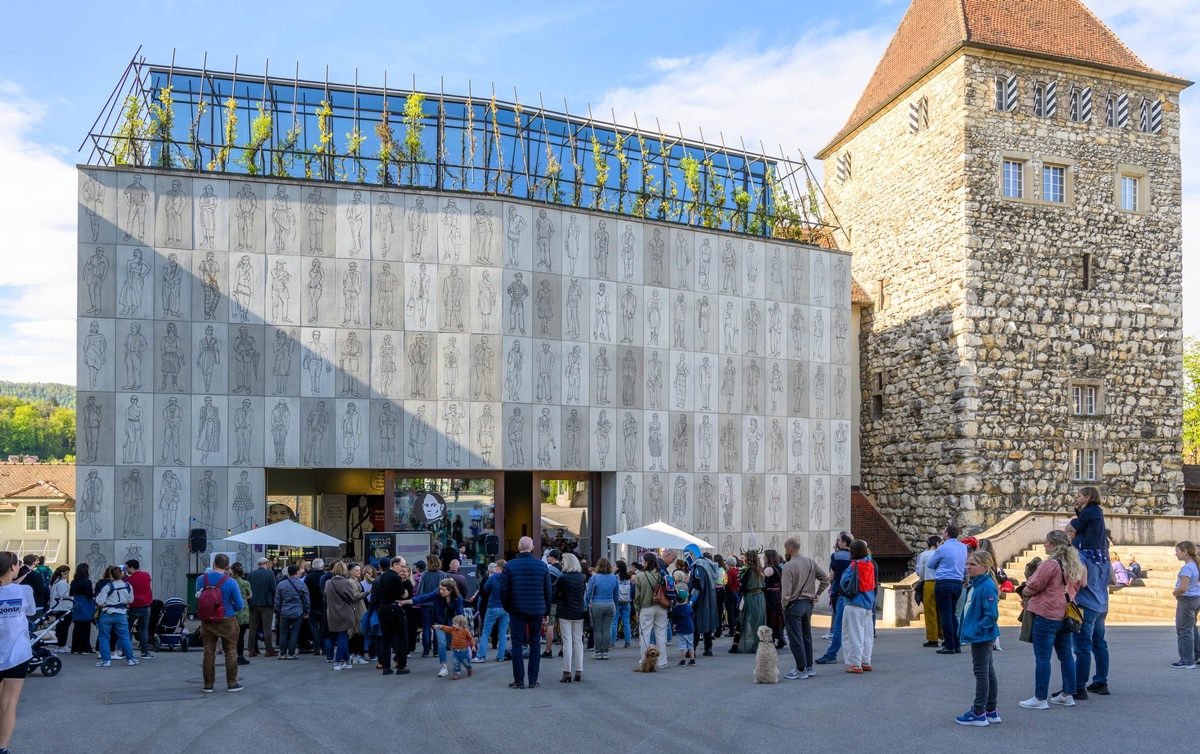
(949, 564)
(525, 594)
(838, 563)
(1090, 537)
(226, 630)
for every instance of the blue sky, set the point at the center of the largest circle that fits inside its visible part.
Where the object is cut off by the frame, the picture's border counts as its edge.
(784, 73)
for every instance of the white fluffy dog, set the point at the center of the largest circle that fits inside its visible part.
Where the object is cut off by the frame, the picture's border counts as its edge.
(766, 667)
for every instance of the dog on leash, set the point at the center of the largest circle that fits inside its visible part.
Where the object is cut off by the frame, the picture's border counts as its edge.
(766, 665)
(649, 663)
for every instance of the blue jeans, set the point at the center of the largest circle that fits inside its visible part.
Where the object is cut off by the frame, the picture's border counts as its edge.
(526, 628)
(140, 616)
(443, 645)
(1052, 635)
(835, 645)
(1088, 642)
(426, 629)
(461, 657)
(110, 622)
(289, 635)
(342, 654)
(947, 592)
(622, 616)
(495, 616)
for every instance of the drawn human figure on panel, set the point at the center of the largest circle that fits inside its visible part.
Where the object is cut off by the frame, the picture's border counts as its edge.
(450, 356)
(571, 243)
(135, 195)
(706, 506)
(514, 226)
(799, 386)
(729, 269)
(95, 271)
(799, 506)
(797, 447)
(174, 205)
(775, 330)
(629, 433)
(208, 435)
(281, 296)
(483, 234)
(657, 252)
(840, 330)
(417, 221)
(728, 503)
(352, 283)
(799, 276)
(704, 321)
(452, 301)
(602, 312)
(574, 293)
(841, 503)
(753, 380)
(627, 254)
(349, 354)
(840, 285)
(418, 362)
(516, 438)
(752, 504)
(385, 224)
(210, 281)
(515, 362)
(751, 270)
(91, 502)
(281, 419)
(133, 291)
(654, 317)
(544, 304)
(351, 432)
(678, 322)
(704, 268)
(628, 312)
(654, 499)
(418, 435)
(172, 415)
(245, 205)
(243, 428)
(133, 450)
(629, 503)
(481, 363)
(680, 382)
(820, 453)
(486, 434)
(818, 334)
(245, 361)
(728, 382)
(171, 360)
(452, 235)
(775, 381)
(754, 436)
(387, 365)
(819, 389)
(171, 283)
(600, 251)
(283, 219)
(574, 374)
(243, 501)
(316, 286)
(681, 441)
(704, 436)
(95, 559)
(819, 285)
(208, 216)
(753, 318)
(818, 500)
(654, 434)
(356, 212)
(91, 421)
(603, 436)
(243, 289)
(418, 295)
(315, 425)
(544, 362)
(168, 569)
(93, 203)
(485, 300)
(135, 347)
(603, 368)
(208, 496)
(798, 326)
(169, 489)
(775, 445)
(840, 448)
(517, 293)
(208, 356)
(571, 430)
(453, 427)
(133, 493)
(543, 232)
(388, 422)
(683, 259)
(545, 438)
(729, 326)
(654, 380)
(628, 379)
(775, 503)
(704, 375)
(839, 394)
(775, 286)
(315, 209)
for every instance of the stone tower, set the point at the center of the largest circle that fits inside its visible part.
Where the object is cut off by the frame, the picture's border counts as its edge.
(1010, 185)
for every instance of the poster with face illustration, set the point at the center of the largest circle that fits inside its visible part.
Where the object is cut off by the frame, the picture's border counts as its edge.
(431, 506)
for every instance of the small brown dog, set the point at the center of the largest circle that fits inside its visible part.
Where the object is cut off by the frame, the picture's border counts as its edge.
(649, 663)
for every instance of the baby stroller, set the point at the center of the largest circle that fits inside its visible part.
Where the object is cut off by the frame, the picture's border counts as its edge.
(42, 657)
(169, 631)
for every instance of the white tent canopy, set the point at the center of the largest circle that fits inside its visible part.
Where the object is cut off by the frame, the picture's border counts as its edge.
(286, 533)
(657, 536)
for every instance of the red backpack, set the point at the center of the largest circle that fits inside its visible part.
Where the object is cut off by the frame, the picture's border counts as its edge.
(209, 605)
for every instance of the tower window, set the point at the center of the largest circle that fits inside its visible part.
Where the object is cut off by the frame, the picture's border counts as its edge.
(1150, 120)
(1132, 189)
(1006, 94)
(1045, 99)
(1129, 193)
(1081, 104)
(1085, 275)
(918, 115)
(1085, 463)
(1054, 183)
(1014, 179)
(844, 167)
(1110, 111)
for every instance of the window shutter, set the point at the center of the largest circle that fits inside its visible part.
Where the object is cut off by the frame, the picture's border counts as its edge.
(1010, 94)
(843, 167)
(1122, 111)
(1051, 106)
(1156, 116)
(914, 116)
(1085, 105)
(1144, 116)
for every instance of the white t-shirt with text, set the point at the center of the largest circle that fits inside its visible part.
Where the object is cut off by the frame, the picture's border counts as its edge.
(16, 608)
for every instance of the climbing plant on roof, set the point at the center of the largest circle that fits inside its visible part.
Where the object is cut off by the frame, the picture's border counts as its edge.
(323, 150)
(162, 110)
(230, 119)
(386, 153)
(600, 165)
(284, 154)
(261, 129)
(129, 141)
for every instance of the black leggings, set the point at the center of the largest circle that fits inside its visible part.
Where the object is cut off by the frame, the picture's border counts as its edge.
(241, 642)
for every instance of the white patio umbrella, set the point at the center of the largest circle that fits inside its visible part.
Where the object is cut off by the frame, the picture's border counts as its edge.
(286, 533)
(658, 536)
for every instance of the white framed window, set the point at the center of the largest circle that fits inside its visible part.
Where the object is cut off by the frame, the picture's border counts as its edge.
(37, 518)
(1081, 104)
(1085, 464)
(1005, 94)
(1013, 179)
(1054, 183)
(1132, 189)
(1085, 400)
(1129, 193)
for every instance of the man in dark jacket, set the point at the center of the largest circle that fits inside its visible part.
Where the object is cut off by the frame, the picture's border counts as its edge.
(838, 563)
(262, 606)
(704, 584)
(525, 594)
(387, 594)
(316, 601)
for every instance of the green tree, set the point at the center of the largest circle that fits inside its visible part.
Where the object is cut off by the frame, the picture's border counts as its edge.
(1191, 400)
(39, 428)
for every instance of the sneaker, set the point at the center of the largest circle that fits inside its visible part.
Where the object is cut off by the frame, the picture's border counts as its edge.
(347, 665)
(810, 673)
(338, 666)
(443, 673)
(867, 668)
(827, 635)
(104, 664)
(854, 669)
(1034, 703)
(993, 717)
(243, 661)
(1100, 689)
(970, 718)
(424, 655)
(207, 689)
(1063, 700)
(235, 688)
(480, 659)
(282, 657)
(455, 677)
(931, 644)
(1184, 665)
(682, 663)
(147, 656)
(1081, 694)
(691, 662)
(132, 662)
(402, 671)
(826, 660)
(795, 675)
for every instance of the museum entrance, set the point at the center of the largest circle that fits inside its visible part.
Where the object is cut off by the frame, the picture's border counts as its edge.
(567, 509)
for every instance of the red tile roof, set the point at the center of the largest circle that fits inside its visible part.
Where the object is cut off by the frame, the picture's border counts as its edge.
(857, 294)
(867, 523)
(37, 481)
(932, 29)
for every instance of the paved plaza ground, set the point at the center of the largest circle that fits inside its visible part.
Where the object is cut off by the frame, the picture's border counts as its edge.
(906, 705)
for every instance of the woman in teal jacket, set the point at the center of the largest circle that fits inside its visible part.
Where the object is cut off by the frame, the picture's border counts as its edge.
(979, 628)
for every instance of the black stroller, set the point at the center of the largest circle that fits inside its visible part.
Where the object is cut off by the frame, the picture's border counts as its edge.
(169, 631)
(42, 657)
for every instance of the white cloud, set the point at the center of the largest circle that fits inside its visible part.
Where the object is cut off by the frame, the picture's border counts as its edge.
(37, 211)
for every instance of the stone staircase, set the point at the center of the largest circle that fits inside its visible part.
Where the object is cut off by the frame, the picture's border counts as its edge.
(1151, 603)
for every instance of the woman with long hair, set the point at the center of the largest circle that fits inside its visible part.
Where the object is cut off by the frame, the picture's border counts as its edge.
(754, 605)
(773, 574)
(569, 597)
(243, 615)
(83, 610)
(652, 617)
(1187, 604)
(341, 595)
(114, 597)
(15, 652)
(979, 628)
(60, 604)
(621, 613)
(601, 601)
(442, 604)
(1055, 582)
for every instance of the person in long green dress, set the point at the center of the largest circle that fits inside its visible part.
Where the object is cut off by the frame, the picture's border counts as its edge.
(754, 604)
